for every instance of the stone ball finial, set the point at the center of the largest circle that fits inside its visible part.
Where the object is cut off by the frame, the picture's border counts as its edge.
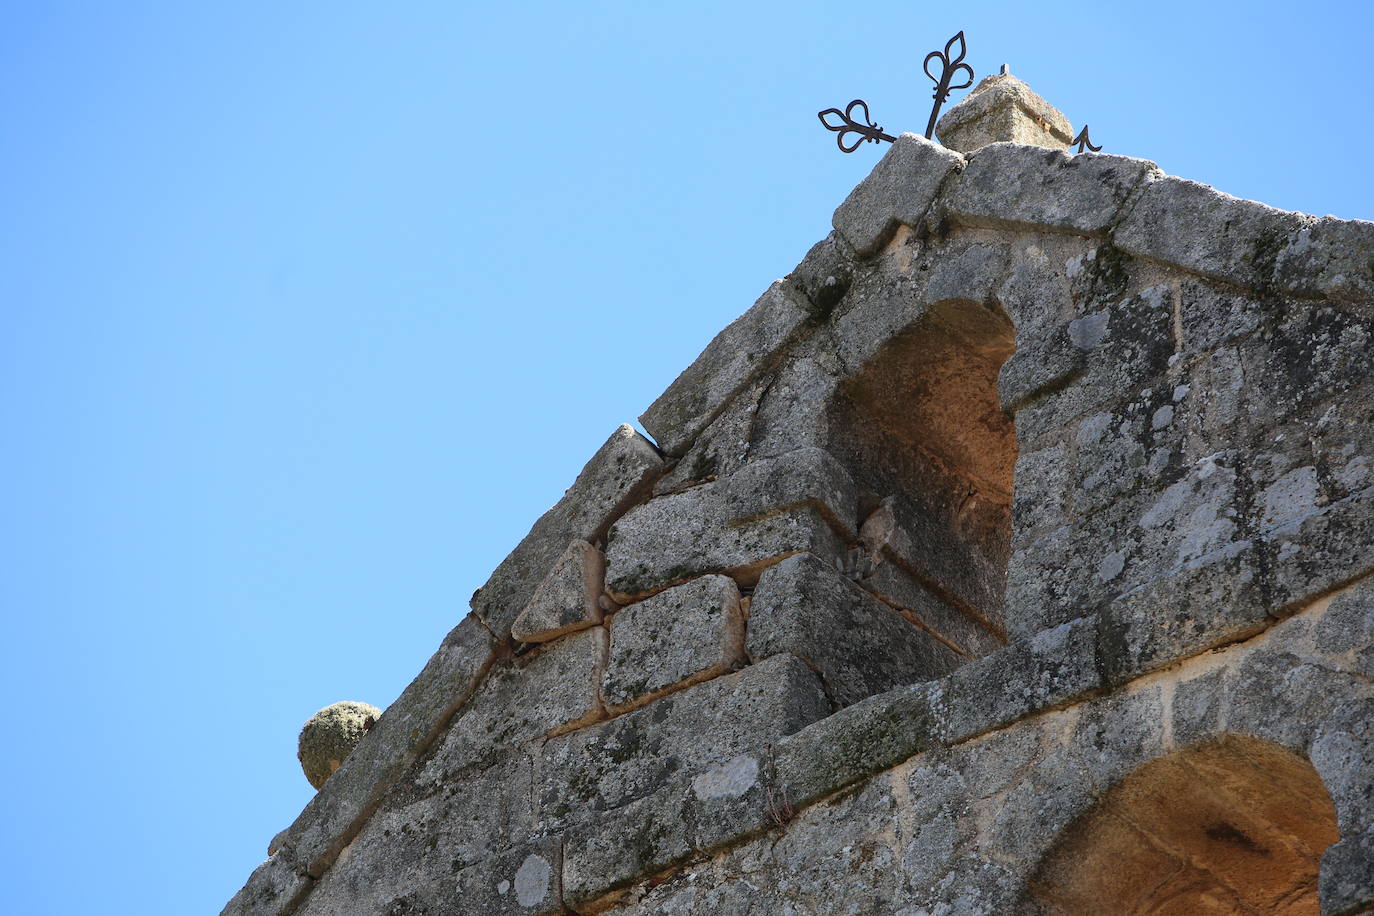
(329, 735)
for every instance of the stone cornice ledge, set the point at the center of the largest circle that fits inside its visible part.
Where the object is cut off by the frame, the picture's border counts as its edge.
(1127, 201)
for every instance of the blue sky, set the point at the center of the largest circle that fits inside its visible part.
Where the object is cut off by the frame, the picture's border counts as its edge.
(309, 310)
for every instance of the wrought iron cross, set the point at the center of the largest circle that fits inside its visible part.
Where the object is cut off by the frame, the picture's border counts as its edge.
(870, 132)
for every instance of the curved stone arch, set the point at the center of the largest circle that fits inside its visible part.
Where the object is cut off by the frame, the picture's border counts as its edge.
(920, 427)
(1232, 825)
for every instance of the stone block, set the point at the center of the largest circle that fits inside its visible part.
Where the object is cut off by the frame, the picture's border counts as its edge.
(274, 889)
(468, 823)
(1346, 884)
(824, 275)
(1001, 108)
(1315, 554)
(895, 587)
(1198, 708)
(583, 774)
(524, 699)
(1345, 633)
(1342, 752)
(1038, 367)
(1013, 186)
(1040, 500)
(568, 599)
(771, 508)
(898, 191)
(857, 644)
(621, 847)
(1329, 257)
(407, 727)
(620, 474)
(745, 349)
(1207, 232)
(1212, 601)
(1047, 670)
(873, 735)
(1295, 365)
(524, 881)
(691, 632)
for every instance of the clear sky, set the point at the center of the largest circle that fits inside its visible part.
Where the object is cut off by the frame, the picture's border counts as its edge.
(310, 309)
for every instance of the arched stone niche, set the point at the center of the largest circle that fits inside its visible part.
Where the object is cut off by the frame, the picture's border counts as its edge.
(1237, 825)
(920, 428)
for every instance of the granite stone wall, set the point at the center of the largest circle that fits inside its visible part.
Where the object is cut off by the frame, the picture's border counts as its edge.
(1039, 496)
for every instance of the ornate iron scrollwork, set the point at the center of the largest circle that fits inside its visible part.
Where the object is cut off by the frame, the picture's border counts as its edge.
(867, 130)
(943, 88)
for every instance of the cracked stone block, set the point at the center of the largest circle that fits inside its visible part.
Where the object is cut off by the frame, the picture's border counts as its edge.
(568, 599)
(898, 191)
(1014, 185)
(748, 347)
(857, 644)
(606, 766)
(619, 475)
(693, 631)
(770, 509)
(405, 729)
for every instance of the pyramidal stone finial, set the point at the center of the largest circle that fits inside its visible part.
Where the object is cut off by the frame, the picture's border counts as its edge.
(1003, 109)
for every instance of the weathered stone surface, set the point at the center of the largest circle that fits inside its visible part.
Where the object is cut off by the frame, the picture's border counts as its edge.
(1010, 185)
(433, 830)
(1047, 363)
(528, 697)
(273, 889)
(1189, 531)
(640, 839)
(748, 347)
(898, 191)
(1203, 230)
(525, 881)
(694, 631)
(739, 525)
(1347, 876)
(1208, 603)
(1000, 109)
(598, 769)
(406, 728)
(824, 275)
(620, 474)
(894, 587)
(1321, 551)
(1329, 257)
(568, 599)
(330, 735)
(857, 742)
(857, 644)
(1053, 667)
